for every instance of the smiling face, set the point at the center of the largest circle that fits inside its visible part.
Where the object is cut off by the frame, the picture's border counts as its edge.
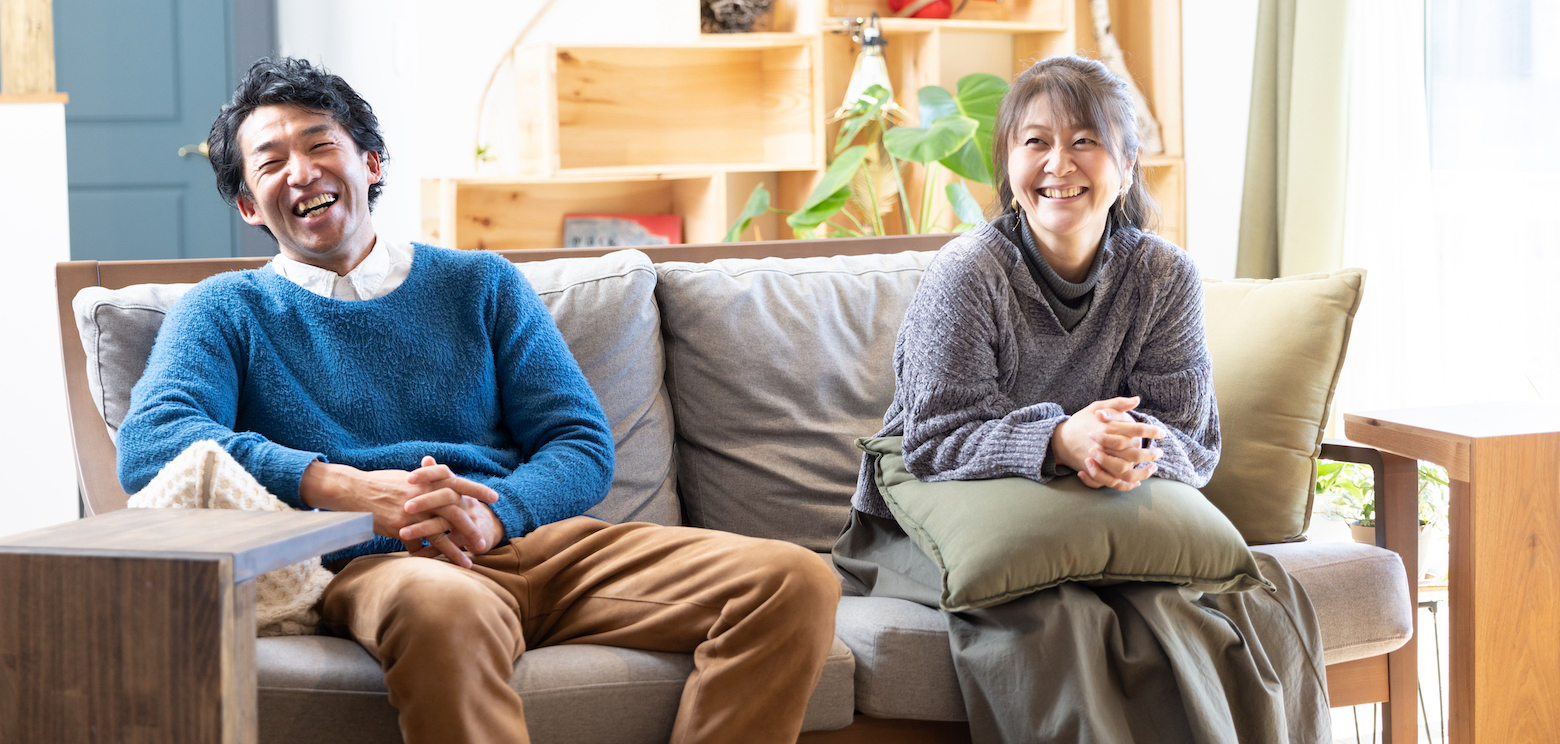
(1065, 180)
(308, 184)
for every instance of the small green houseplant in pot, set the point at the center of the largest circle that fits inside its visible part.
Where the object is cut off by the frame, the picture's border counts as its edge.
(1353, 500)
(1352, 493)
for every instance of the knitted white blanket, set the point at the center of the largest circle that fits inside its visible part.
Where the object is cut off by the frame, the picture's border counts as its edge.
(205, 476)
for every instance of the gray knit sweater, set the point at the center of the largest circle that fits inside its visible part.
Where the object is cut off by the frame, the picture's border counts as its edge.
(985, 372)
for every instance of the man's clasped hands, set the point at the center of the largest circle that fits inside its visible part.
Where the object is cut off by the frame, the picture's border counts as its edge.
(430, 510)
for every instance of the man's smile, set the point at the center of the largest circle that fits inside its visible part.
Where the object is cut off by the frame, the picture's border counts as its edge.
(314, 206)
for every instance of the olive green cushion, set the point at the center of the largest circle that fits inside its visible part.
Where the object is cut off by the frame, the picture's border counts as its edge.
(996, 540)
(1278, 347)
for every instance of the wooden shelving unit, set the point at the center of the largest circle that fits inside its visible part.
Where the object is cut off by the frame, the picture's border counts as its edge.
(689, 129)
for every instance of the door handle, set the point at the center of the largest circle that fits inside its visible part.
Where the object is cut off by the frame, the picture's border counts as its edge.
(203, 149)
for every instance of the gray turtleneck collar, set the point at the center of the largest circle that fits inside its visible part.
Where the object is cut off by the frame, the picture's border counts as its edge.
(1068, 300)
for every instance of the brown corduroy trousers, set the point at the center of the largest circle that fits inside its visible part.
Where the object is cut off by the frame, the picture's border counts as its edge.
(758, 616)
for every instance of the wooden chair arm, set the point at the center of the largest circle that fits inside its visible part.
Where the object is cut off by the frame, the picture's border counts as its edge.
(1397, 501)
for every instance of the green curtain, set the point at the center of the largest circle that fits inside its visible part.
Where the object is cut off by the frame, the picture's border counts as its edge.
(1291, 217)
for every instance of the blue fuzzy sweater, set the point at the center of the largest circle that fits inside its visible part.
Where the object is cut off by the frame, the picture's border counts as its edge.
(461, 362)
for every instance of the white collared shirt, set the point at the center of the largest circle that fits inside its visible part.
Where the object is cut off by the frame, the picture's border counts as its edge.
(378, 274)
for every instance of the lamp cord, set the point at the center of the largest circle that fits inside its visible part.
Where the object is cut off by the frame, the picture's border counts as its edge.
(482, 101)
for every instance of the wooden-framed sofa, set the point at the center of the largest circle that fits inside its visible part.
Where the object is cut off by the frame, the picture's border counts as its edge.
(1359, 592)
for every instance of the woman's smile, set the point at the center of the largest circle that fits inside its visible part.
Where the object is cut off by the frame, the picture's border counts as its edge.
(1063, 194)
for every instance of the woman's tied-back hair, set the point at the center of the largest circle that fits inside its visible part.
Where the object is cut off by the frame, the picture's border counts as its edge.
(293, 82)
(1083, 93)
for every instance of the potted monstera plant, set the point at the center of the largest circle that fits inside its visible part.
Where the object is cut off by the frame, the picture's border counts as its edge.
(955, 134)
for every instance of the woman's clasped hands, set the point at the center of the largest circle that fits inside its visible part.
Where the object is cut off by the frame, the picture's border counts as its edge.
(1108, 447)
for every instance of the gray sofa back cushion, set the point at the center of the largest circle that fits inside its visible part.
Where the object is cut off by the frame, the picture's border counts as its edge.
(775, 366)
(117, 330)
(605, 308)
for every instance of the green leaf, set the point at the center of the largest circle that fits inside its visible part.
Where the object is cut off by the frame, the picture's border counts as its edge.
(964, 204)
(968, 162)
(810, 217)
(930, 144)
(979, 95)
(832, 192)
(757, 204)
(862, 112)
(935, 102)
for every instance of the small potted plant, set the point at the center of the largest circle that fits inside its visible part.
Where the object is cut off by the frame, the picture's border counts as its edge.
(1353, 499)
(1352, 491)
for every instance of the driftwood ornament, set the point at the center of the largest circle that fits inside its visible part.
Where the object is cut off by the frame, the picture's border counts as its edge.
(732, 16)
(1111, 55)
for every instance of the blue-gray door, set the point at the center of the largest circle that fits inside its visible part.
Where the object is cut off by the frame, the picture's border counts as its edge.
(146, 78)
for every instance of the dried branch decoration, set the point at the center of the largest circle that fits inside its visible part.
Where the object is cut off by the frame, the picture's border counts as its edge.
(732, 16)
(1111, 55)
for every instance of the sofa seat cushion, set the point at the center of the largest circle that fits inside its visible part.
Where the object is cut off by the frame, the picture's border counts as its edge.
(775, 366)
(604, 307)
(1360, 593)
(904, 668)
(325, 689)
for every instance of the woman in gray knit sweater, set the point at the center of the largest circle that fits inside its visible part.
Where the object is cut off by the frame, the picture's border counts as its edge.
(1064, 339)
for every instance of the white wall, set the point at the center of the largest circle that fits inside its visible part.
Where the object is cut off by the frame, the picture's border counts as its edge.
(40, 482)
(1218, 41)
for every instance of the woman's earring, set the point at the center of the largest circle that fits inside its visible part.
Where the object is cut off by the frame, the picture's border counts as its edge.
(1014, 206)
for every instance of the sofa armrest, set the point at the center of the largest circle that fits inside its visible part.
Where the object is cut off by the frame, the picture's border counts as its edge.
(1397, 499)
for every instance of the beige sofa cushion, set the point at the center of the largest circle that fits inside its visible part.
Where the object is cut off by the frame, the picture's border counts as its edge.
(329, 690)
(775, 366)
(605, 308)
(1277, 347)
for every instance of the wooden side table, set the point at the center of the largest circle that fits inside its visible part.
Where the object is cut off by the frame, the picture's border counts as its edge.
(1504, 577)
(139, 625)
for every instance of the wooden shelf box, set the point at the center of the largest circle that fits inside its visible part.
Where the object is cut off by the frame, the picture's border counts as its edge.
(1167, 184)
(735, 102)
(527, 213)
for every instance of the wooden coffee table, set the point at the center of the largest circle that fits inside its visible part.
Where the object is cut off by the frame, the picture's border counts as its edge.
(139, 625)
(1504, 578)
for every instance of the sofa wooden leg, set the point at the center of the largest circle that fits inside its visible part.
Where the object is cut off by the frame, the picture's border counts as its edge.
(1398, 514)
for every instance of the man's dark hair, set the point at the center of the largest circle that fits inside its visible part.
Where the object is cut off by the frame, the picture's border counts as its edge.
(292, 82)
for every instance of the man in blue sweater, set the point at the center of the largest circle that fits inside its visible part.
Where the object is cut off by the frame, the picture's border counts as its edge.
(430, 388)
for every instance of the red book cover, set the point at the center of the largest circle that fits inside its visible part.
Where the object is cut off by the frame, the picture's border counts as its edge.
(620, 230)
